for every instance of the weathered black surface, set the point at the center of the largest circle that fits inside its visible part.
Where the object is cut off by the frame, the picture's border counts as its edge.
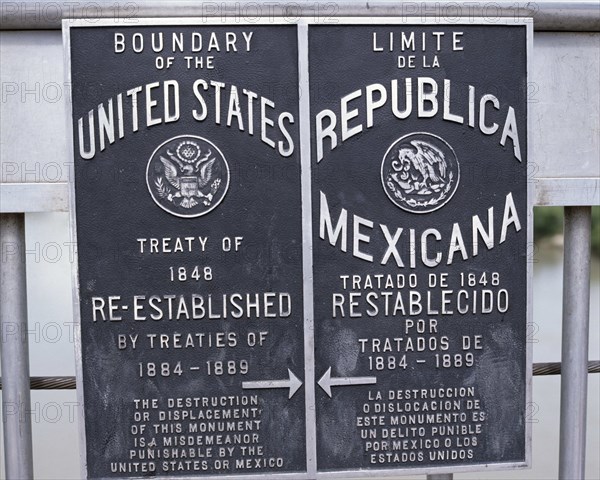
(206, 176)
(115, 208)
(493, 60)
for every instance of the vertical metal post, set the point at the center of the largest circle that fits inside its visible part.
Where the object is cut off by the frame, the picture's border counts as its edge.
(443, 476)
(16, 402)
(576, 311)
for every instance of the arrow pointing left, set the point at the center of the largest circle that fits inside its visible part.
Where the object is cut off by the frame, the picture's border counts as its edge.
(293, 383)
(327, 381)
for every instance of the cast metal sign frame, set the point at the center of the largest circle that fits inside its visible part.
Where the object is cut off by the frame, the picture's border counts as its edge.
(309, 378)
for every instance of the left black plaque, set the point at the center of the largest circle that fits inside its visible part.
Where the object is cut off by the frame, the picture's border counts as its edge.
(188, 227)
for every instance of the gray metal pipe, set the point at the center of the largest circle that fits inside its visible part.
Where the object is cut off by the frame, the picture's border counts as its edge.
(576, 313)
(16, 402)
(580, 15)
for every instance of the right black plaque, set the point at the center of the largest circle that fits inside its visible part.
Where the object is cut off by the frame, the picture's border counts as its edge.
(420, 237)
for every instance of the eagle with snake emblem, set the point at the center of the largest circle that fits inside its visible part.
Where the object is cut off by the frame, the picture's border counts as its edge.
(420, 172)
(420, 169)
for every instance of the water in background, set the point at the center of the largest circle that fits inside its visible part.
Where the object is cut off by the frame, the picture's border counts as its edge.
(54, 413)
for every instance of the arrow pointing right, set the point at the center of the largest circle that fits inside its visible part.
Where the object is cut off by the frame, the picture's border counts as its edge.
(326, 381)
(294, 383)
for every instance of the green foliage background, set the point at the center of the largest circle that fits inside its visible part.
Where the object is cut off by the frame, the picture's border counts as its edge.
(548, 221)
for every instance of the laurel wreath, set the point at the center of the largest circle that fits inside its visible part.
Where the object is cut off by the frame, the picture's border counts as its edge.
(161, 188)
(415, 203)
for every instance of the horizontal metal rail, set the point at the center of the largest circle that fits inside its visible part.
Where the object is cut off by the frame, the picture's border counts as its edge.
(443, 476)
(554, 368)
(548, 15)
(54, 197)
(68, 383)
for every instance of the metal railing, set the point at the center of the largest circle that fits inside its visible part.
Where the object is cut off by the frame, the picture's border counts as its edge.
(69, 383)
(16, 383)
(569, 189)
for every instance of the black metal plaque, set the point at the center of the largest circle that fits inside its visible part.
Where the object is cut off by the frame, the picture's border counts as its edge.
(195, 271)
(420, 228)
(187, 196)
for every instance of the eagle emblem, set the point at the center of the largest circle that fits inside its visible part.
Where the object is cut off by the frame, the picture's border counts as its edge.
(420, 172)
(187, 176)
